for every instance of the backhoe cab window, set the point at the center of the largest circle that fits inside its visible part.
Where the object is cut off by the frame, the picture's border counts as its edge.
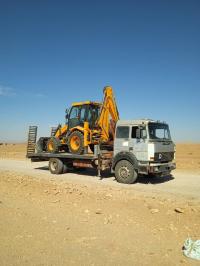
(82, 113)
(74, 112)
(122, 132)
(93, 114)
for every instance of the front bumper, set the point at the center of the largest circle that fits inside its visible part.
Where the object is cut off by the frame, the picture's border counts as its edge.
(157, 168)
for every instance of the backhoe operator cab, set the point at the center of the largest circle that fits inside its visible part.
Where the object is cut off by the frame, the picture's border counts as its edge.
(142, 147)
(82, 112)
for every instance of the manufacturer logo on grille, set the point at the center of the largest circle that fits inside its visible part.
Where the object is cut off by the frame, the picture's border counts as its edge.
(160, 156)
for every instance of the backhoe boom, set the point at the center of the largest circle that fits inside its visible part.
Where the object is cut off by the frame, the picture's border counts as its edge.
(109, 115)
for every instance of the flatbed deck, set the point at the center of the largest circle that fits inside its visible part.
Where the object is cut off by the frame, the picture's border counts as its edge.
(45, 156)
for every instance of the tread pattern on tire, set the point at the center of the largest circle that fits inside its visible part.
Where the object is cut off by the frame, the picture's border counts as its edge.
(41, 144)
(58, 166)
(81, 148)
(133, 174)
(56, 144)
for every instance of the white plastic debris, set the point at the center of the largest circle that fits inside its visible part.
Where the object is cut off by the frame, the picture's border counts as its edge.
(191, 249)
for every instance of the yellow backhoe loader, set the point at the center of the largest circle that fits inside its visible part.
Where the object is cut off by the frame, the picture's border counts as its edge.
(88, 123)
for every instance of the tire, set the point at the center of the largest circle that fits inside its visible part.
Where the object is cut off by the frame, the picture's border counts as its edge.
(53, 145)
(56, 166)
(125, 172)
(41, 144)
(76, 142)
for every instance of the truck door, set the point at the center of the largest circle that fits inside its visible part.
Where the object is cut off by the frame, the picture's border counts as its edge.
(138, 146)
(121, 142)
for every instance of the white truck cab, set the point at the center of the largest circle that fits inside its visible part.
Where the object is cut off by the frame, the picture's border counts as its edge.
(144, 143)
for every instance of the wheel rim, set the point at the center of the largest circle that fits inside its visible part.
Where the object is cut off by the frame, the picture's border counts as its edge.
(75, 143)
(54, 166)
(124, 172)
(50, 146)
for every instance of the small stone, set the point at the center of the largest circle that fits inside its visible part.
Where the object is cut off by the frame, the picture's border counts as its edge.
(1, 202)
(106, 221)
(193, 209)
(151, 253)
(172, 227)
(56, 201)
(154, 211)
(19, 236)
(84, 220)
(57, 192)
(179, 210)
(87, 211)
(98, 211)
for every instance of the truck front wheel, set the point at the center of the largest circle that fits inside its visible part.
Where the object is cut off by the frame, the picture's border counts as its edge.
(56, 166)
(125, 172)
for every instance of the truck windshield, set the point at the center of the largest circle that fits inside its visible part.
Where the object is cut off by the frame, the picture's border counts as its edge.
(159, 131)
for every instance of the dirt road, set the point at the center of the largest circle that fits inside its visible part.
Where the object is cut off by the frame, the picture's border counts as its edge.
(77, 219)
(179, 184)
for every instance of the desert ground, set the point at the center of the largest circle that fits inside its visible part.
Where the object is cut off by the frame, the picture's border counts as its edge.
(77, 219)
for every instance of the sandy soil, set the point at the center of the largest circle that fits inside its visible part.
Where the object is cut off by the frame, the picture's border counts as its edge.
(13, 151)
(188, 157)
(76, 219)
(55, 222)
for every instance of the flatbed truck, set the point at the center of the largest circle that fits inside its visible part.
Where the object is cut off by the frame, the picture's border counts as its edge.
(141, 147)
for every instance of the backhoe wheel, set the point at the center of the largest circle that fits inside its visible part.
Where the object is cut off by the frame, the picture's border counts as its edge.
(56, 166)
(76, 142)
(53, 145)
(125, 172)
(41, 144)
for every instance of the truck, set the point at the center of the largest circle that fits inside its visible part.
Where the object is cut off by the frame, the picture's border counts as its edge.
(140, 147)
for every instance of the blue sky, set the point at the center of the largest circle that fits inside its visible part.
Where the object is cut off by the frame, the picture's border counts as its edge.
(53, 53)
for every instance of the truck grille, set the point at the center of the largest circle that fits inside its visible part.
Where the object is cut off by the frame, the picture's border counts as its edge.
(163, 156)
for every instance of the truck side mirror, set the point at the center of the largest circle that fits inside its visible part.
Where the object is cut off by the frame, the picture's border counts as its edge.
(143, 134)
(138, 133)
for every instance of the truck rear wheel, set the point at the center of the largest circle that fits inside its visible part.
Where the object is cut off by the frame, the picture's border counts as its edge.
(76, 142)
(56, 166)
(125, 172)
